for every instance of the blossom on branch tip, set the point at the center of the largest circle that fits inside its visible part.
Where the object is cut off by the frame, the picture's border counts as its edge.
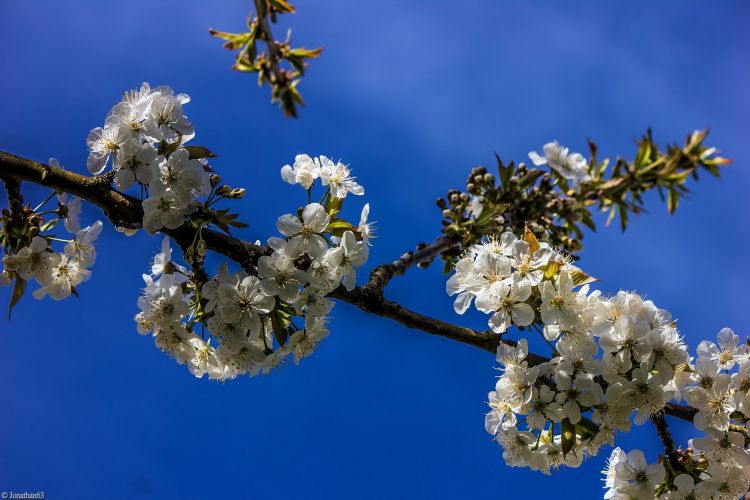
(338, 178)
(571, 166)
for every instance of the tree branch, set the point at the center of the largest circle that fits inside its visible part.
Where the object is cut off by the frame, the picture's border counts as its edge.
(13, 190)
(383, 274)
(662, 429)
(125, 211)
(680, 411)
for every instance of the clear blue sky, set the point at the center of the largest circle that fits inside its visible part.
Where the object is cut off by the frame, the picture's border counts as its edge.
(413, 95)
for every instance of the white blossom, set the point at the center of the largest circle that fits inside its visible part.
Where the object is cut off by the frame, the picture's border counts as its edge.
(103, 143)
(66, 275)
(82, 247)
(244, 302)
(33, 261)
(305, 234)
(280, 276)
(338, 178)
(639, 479)
(163, 211)
(304, 172)
(572, 166)
(727, 353)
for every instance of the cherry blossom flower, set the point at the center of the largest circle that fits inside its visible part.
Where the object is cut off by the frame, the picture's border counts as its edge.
(66, 275)
(33, 261)
(338, 179)
(571, 166)
(727, 353)
(304, 172)
(103, 143)
(305, 234)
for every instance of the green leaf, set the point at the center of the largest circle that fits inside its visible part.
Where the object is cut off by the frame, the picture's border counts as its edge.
(530, 178)
(581, 278)
(281, 6)
(567, 436)
(505, 171)
(48, 225)
(529, 238)
(337, 227)
(612, 183)
(279, 329)
(552, 268)
(587, 220)
(18, 290)
(611, 215)
(304, 53)
(167, 148)
(234, 41)
(623, 216)
(199, 152)
(333, 206)
(673, 199)
(644, 154)
(490, 213)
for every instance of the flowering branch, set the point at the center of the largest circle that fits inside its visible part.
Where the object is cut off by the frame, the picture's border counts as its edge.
(125, 211)
(509, 246)
(556, 204)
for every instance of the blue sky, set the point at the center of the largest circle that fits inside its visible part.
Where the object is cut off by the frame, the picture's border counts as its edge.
(412, 95)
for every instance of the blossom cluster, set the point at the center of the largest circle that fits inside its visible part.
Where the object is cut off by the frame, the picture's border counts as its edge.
(32, 257)
(243, 322)
(613, 360)
(144, 136)
(717, 385)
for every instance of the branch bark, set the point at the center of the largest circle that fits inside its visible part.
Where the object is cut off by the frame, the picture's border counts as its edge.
(662, 429)
(383, 274)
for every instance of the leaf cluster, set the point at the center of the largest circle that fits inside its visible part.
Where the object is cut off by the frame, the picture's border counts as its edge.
(545, 203)
(276, 62)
